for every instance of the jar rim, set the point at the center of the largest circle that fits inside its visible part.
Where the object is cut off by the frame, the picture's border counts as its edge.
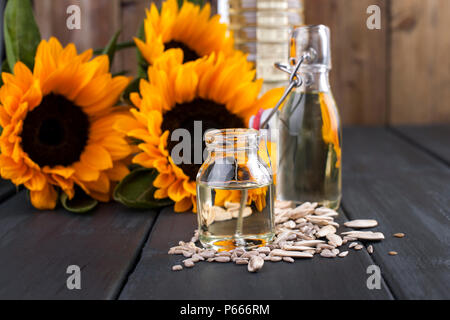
(232, 138)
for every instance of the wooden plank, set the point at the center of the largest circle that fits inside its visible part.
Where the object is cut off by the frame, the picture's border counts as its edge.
(7, 189)
(420, 81)
(132, 15)
(37, 247)
(318, 278)
(408, 191)
(435, 139)
(359, 75)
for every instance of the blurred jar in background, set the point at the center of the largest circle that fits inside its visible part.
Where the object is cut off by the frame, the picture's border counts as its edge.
(262, 28)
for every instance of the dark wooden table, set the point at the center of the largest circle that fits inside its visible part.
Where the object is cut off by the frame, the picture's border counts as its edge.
(399, 176)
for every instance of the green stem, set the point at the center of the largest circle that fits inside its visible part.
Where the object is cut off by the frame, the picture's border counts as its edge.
(119, 46)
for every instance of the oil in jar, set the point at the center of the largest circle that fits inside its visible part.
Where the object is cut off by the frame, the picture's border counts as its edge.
(235, 215)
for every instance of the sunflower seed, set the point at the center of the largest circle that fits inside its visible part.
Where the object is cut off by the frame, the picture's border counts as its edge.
(224, 254)
(265, 250)
(208, 254)
(188, 263)
(358, 247)
(275, 259)
(245, 213)
(334, 239)
(187, 254)
(353, 244)
(255, 264)
(335, 251)
(323, 232)
(361, 223)
(232, 205)
(370, 249)
(288, 259)
(327, 254)
(393, 253)
(292, 254)
(325, 211)
(198, 256)
(283, 204)
(222, 259)
(399, 235)
(241, 261)
(289, 224)
(367, 235)
(325, 246)
(295, 248)
(220, 214)
(308, 243)
(177, 267)
(343, 254)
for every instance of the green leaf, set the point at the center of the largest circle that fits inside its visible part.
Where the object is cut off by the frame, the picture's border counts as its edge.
(142, 63)
(81, 203)
(5, 68)
(136, 190)
(21, 33)
(110, 49)
(132, 87)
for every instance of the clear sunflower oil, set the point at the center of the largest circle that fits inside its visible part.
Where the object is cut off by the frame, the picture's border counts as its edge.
(235, 215)
(310, 155)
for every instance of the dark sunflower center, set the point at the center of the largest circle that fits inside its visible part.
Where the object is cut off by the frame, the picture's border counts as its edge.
(211, 115)
(55, 133)
(189, 54)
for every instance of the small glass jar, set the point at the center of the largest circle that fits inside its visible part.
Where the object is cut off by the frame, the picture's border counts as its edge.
(235, 191)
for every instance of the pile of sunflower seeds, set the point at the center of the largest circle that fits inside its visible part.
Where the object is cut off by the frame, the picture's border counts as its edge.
(301, 232)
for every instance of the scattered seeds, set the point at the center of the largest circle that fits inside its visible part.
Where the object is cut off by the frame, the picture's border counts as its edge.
(325, 231)
(255, 264)
(288, 259)
(222, 259)
(188, 263)
(360, 224)
(343, 254)
(399, 235)
(327, 254)
(297, 235)
(334, 239)
(393, 253)
(353, 244)
(366, 235)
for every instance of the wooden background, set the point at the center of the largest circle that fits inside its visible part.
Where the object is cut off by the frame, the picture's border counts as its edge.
(397, 75)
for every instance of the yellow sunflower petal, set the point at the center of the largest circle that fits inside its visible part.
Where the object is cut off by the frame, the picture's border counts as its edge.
(176, 191)
(161, 194)
(44, 199)
(85, 172)
(183, 205)
(96, 157)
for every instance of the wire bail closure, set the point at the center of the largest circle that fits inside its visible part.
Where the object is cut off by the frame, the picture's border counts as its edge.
(295, 81)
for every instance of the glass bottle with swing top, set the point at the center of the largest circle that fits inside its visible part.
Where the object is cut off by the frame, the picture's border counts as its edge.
(310, 140)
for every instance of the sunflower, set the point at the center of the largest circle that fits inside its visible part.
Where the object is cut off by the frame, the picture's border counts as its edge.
(220, 92)
(189, 28)
(57, 125)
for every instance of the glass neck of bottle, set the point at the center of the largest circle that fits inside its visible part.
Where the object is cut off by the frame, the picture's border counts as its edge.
(315, 80)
